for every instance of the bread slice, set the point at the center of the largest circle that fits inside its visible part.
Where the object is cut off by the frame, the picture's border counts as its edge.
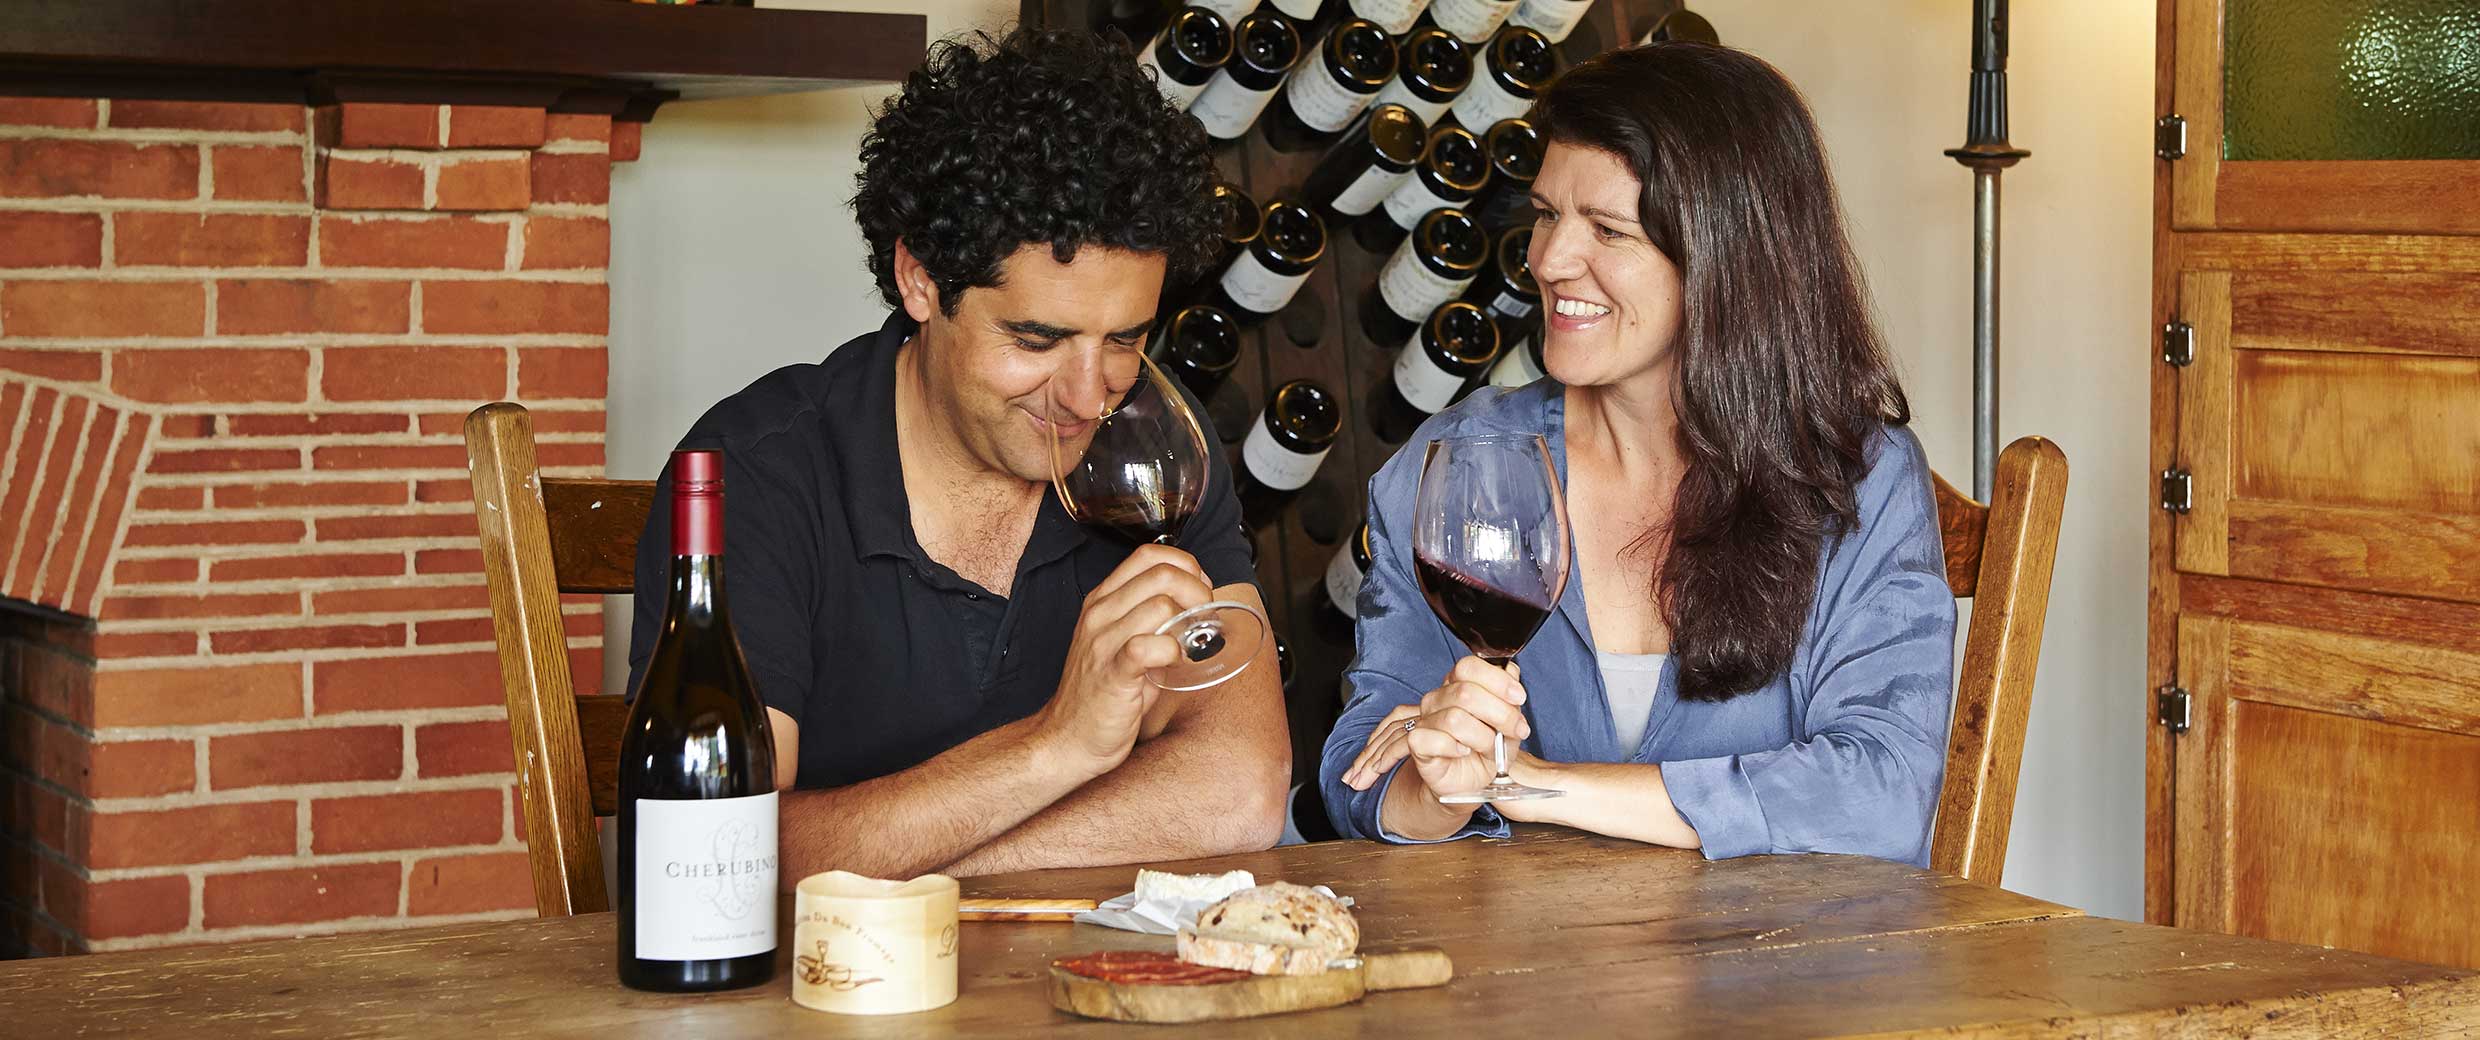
(1273, 929)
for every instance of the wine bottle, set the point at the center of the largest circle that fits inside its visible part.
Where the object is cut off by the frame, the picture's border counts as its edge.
(1395, 16)
(1680, 24)
(1553, 19)
(1514, 148)
(1431, 68)
(1329, 88)
(1432, 266)
(1284, 447)
(1367, 164)
(697, 777)
(1345, 572)
(1513, 69)
(1472, 21)
(1265, 46)
(1187, 53)
(1457, 343)
(1199, 346)
(1519, 366)
(1266, 274)
(1451, 172)
(1505, 287)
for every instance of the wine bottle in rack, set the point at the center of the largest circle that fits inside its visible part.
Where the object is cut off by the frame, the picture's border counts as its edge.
(1395, 16)
(1329, 88)
(1199, 346)
(1265, 46)
(1511, 71)
(1472, 21)
(1457, 343)
(1367, 165)
(1505, 287)
(1451, 172)
(1187, 53)
(1519, 366)
(1269, 272)
(1553, 19)
(1514, 148)
(1138, 20)
(1345, 572)
(1432, 266)
(697, 853)
(1241, 221)
(1432, 67)
(1284, 447)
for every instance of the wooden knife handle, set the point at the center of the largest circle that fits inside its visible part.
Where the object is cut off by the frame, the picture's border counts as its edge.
(1406, 969)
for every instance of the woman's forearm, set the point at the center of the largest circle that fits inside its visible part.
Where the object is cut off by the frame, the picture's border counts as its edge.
(1623, 800)
(1410, 811)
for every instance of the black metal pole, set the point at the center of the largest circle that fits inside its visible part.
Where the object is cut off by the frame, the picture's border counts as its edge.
(1987, 154)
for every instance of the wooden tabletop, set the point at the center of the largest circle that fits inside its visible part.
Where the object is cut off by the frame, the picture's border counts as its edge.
(1555, 935)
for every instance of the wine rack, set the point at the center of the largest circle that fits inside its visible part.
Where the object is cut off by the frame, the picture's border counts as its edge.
(1319, 337)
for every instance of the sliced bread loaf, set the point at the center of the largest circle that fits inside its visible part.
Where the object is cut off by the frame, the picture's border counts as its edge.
(1273, 929)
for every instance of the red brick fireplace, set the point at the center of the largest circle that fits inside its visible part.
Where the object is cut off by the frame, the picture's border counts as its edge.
(246, 668)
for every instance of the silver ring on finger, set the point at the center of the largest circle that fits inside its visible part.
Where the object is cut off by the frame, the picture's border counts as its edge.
(1411, 724)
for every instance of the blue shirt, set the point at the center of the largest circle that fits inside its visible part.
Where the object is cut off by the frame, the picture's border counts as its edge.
(1844, 752)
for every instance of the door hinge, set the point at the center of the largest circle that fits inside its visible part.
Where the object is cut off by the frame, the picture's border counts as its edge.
(2178, 490)
(2178, 344)
(2171, 705)
(2170, 137)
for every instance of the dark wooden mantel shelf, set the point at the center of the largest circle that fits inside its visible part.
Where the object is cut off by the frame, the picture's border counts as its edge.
(604, 56)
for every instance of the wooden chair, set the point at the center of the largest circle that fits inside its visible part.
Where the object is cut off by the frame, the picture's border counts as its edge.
(545, 536)
(542, 537)
(1998, 555)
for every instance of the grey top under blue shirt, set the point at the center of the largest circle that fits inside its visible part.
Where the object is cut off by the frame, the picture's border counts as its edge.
(1843, 752)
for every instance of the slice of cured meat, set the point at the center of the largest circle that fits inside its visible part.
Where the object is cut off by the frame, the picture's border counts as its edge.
(1145, 968)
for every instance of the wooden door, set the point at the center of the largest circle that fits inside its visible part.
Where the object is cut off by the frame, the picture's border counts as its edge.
(2316, 418)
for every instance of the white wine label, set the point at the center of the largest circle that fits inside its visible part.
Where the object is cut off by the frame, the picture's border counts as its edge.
(1251, 285)
(1411, 289)
(1395, 16)
(1368, 189)
(1230, 11)
(1397, 93)
(1512, 306)
(1485, 102)
(1227, 108)
(1472, 21)
(1343, 580)
(1516, 367)
(1412, 200)
(1421, 381)
(1299, 10)
(1318, 100)
(705, 877)
(1274, 465)
(1552, 18)
(1181, 95)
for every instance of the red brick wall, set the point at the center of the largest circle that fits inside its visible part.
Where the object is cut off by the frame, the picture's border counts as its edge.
(237, 343)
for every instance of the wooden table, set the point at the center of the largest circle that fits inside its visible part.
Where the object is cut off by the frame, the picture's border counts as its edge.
(1555, 935)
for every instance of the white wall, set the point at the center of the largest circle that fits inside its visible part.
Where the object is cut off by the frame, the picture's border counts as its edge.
(1887, 80)
(733, 254)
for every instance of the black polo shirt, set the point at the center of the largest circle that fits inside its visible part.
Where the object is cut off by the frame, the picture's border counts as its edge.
(884, 656)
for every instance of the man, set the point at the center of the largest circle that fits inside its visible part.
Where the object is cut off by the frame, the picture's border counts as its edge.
(955, 671)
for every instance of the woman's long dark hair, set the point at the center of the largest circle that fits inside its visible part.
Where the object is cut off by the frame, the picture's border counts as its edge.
(1783, 380)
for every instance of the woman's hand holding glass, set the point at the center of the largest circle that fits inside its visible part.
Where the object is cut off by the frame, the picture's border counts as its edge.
(1451, 735)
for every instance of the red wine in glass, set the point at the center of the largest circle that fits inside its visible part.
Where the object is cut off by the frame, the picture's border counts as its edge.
(1493, 622)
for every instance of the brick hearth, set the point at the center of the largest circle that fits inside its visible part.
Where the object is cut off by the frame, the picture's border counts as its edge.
(245, 653)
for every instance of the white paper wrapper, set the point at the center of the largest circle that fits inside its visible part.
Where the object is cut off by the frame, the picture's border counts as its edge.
(1160, 916)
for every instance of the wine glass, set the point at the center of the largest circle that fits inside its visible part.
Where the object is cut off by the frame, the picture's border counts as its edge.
(1490, 549)
(1140, 471)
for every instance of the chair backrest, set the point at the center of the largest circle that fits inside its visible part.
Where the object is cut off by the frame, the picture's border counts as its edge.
(542, 537)
(1999, 555)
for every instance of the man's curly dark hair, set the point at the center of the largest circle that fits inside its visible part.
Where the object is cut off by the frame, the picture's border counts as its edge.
(1045, 136)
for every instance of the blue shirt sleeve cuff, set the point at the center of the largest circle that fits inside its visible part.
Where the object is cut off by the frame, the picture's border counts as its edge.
(1485, 822)
(1715, 797)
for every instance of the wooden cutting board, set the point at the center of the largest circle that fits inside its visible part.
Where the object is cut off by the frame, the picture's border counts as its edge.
(1250, 997)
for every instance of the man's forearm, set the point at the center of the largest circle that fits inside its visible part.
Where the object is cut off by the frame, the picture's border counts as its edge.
(914, 821)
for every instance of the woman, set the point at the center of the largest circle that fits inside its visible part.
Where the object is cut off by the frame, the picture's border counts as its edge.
(1755, 652)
